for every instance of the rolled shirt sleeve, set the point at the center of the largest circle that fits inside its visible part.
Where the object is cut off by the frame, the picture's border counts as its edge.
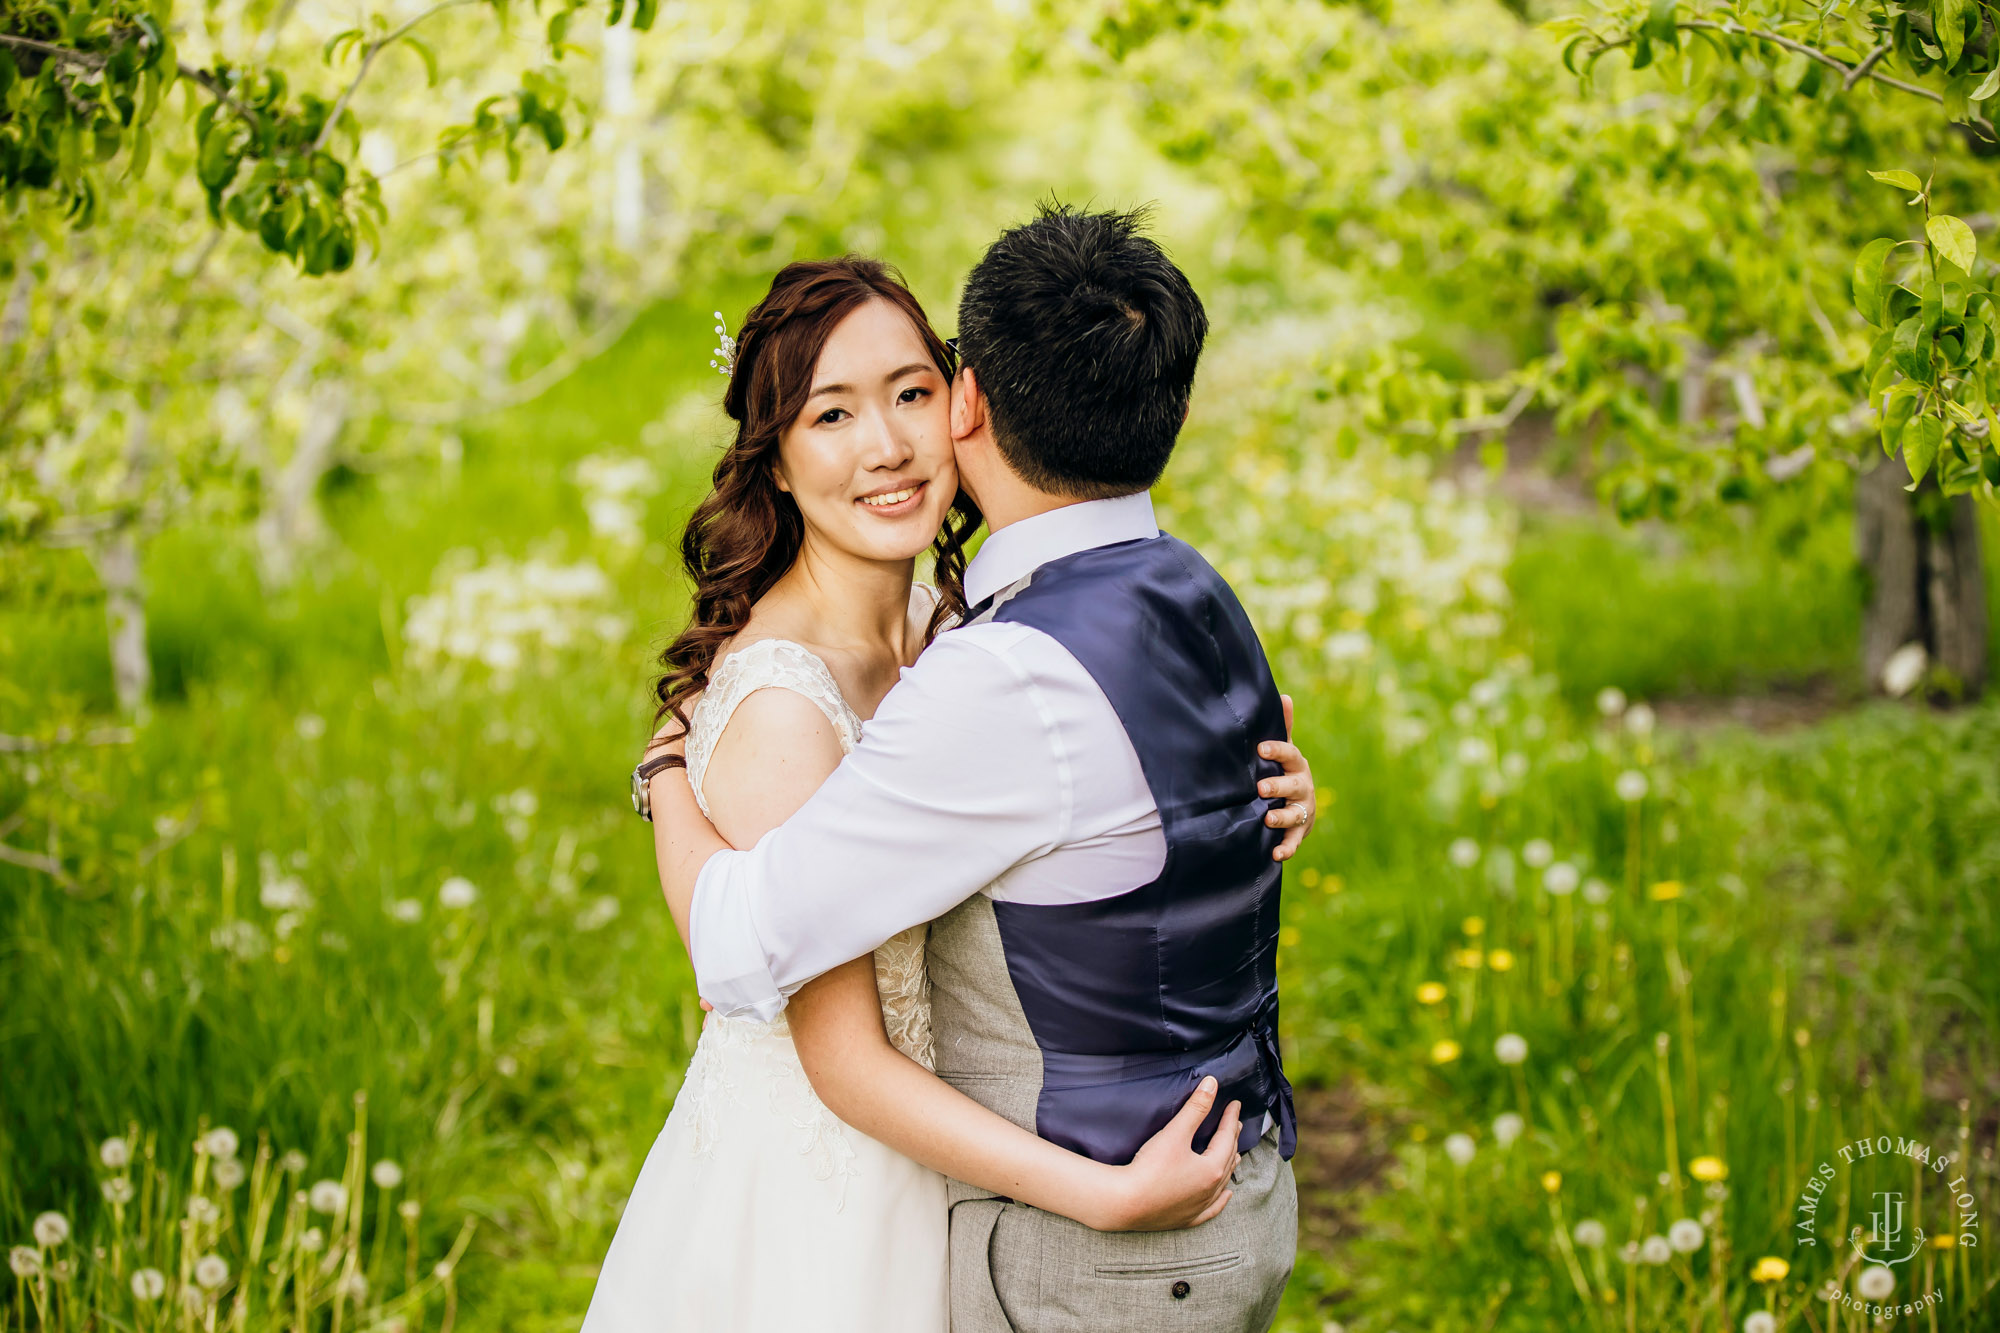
(959, 776)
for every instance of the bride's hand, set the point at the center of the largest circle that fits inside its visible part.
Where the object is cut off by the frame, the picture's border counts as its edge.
(1169, 1185)
(1295, 784)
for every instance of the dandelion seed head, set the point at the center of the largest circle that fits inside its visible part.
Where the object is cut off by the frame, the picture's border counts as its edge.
(310, 726)
(194, 1300)
(1655, 1250)
(1631, 786)
(1464, 853)
(201, 1209)
(51, 1229)
(1511, 1048)
(1629, 1252)
(1508, 1126)
(293, 1161)
(457, 893)
(149, 1284)
(1537, 852)
(1611, 701)
(386, 1174)
(220, 1142)
(229, 1173)
(1686, 1235)
(311, 1239)
(354, 1287)
(1460, 1148)
(1875, 1283)
(1514, 765)
(406, 910)
(1639, 720)
(1561, 879)
(24, 1261)
(117, 1190)
(1760, 1321)
(115, 1153)
(327, 1196)
(211, 1271)
(409, 1210)
(1590, 1234)
(441, 1270)
(1596, 892)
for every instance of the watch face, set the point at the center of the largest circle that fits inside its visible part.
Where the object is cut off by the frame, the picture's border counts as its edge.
(642, 799)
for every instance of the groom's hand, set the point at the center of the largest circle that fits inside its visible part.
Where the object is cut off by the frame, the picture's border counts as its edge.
(1295, 785)
(1169, 1185)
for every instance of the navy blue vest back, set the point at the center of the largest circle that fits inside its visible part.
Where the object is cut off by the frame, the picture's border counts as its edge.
(1133, 999)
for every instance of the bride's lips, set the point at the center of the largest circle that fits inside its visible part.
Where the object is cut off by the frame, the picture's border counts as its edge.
(900, 507)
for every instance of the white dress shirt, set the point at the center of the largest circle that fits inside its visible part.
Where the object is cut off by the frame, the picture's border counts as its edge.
(995, 765)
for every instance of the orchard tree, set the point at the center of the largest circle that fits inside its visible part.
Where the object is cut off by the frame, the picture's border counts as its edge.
(1664, 255)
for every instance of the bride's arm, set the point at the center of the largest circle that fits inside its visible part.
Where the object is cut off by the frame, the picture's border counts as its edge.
(836, 1022)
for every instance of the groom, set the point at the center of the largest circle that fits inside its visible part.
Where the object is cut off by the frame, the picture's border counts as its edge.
(1067, 787)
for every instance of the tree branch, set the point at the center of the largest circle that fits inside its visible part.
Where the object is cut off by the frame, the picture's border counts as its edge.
(1852, 73)
(1862, 70)
(64, 736)
(69, 55)
(368, 59)
(48, 865)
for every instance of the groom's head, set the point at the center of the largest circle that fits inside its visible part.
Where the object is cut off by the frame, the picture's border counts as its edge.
(1082, 337)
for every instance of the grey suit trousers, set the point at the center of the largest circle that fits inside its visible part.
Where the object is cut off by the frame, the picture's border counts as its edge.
(1016, 1269)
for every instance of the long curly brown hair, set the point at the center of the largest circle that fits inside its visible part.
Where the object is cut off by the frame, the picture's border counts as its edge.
(746, 532)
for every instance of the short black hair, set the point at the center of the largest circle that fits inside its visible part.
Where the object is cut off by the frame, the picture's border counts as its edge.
(1084, 338)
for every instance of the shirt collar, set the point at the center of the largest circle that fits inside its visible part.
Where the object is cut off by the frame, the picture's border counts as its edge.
(1021, 548)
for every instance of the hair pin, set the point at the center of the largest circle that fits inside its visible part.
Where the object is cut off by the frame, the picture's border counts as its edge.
(724, 360)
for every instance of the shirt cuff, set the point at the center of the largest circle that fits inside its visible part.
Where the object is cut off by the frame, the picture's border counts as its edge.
(731, 971)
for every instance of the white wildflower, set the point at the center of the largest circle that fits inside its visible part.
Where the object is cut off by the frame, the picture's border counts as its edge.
(117, 1190)
(1511, 1048)
(1514, 765)
(114, 1153)
(1464, 853)
(220, 1142)
(286, 893)
(24, 1261)
(230, 1172)
(293, 1161)
(1507, 1126)
(327, 1196)
(409, 1210)
(1561, 879)
(1875, 1283)
(1590, 1234)
(51, 1229)
(1474, 751)
(1656, 1250)
(310, 726)
(386, 1174)
(1537, 852)
(311, 1239)
(407, 909)
(1611, 701)
(1686, 1236)
(457, 892)
(1639, 720)
(1760, 1321)
(201, 1209)
(1596, 892)
(211, 1271)
(1631, 786)
(149, 1284)
(1460, 1148)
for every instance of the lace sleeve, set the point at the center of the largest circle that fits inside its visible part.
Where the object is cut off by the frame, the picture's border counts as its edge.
(765, 664)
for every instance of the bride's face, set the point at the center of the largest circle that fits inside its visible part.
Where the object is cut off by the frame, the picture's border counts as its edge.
(869, 457)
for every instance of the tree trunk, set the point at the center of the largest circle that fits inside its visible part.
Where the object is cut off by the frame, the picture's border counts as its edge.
(117, 561)
(290, 521)
(1926, 586)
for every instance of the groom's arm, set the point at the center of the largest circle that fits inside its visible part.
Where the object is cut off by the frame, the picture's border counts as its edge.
(959, 776)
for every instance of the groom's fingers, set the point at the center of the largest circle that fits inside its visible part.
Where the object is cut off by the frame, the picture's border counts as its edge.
(1213, 1208)
(1188, 1119)
(1221, 1150)
(1286, 700)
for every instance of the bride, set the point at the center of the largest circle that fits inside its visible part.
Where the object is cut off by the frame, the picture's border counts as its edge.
(758, 1208)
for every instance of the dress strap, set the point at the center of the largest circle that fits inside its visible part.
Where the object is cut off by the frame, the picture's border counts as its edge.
(765, 664)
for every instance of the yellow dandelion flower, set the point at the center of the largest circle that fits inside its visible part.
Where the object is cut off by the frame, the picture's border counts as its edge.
(1288, 936)
(1334, 884)
(1352, 619)
(1488, 799)
(1552, 1181)
(1500, 960)
(1418, 1133)
(1309, 877)
(1431, 992)
(1474, 927)
(1469, 958)
(1708, 1169)
(1444, 1052)
(1665, 891)
(1770, 1269)
(1944, 1240)
(1323, 795)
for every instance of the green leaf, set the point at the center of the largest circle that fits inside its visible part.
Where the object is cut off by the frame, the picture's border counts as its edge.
(1953, 239)
(1902, 180)
(1642, 51)
(1868, 278)
(428, 56)
(142, 153)
(1989, 86)
(1949, 18)
(1920, 447)
(1912, 349)
(643, 12)
(1660, 23)
(1898, 406)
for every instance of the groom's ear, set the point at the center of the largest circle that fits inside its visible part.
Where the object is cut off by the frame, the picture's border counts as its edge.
(968, 405)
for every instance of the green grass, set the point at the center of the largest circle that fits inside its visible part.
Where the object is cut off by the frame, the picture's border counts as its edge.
(520, 1054)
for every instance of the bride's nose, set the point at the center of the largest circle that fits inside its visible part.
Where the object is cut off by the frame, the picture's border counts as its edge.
(887, 443)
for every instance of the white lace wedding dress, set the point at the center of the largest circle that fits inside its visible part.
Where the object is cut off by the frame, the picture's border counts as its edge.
(757, 1209)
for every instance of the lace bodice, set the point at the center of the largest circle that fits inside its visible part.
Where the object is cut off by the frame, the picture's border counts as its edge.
(900, 978)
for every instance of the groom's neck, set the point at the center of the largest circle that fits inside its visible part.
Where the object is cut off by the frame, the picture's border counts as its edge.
(1011, 508)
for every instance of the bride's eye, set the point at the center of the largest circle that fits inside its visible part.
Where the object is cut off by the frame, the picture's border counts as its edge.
(831, 415)
(914, 393)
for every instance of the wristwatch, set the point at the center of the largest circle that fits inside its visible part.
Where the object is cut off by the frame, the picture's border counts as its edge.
(642, 784)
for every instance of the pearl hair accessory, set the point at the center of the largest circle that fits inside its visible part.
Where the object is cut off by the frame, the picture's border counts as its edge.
(724, 360)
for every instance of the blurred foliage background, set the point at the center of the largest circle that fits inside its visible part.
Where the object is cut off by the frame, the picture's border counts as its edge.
(354, 388)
